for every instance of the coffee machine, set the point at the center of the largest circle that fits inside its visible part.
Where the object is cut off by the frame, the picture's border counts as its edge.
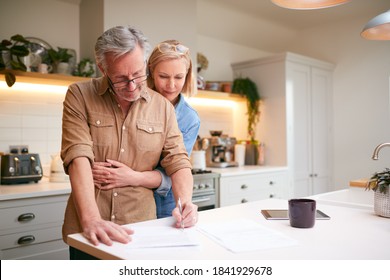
(220, 151)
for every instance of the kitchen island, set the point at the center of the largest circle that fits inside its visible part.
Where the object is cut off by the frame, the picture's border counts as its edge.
(352, 233)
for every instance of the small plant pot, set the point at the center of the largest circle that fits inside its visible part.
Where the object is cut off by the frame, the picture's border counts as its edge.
(382, 203)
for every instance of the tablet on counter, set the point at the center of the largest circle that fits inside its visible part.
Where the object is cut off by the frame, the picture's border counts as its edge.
(281, 214)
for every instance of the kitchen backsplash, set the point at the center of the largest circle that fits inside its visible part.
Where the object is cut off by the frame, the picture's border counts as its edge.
(34, 119)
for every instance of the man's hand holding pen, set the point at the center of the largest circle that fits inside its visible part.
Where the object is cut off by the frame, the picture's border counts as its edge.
(185, 213)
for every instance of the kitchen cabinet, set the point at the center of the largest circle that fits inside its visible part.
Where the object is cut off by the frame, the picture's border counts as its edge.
(296, 117)
(31, 218)
(242, 187)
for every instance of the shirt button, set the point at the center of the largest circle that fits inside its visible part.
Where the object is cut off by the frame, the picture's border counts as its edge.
(150, 129)
(119, 105)
(115, 194)
(97, 122)
(122, 150)
(112, 217)
(123, 127)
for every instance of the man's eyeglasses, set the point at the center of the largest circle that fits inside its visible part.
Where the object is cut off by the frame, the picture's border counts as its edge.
(166, 47)
(125, 83)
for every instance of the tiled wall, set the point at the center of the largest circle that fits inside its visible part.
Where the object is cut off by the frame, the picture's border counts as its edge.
(34, 119)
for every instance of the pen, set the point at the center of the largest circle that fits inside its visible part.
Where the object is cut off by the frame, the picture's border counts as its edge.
(181, 213)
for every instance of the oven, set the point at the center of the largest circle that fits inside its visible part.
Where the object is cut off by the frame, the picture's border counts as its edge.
(205, 190)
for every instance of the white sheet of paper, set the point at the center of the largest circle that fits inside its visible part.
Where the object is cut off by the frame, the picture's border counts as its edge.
(162, 236)
(245, 235)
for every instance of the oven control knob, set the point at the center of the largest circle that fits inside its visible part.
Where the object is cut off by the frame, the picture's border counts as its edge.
(195, 187)
(201, 186)
(207, 186)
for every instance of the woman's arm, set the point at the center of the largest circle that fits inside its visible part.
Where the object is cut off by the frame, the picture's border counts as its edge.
(113, 174)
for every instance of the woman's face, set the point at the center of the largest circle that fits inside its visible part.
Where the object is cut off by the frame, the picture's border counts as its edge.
(169, 78)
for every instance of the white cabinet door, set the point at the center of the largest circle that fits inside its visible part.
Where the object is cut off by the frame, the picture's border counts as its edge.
(321, 81)
(309, 137)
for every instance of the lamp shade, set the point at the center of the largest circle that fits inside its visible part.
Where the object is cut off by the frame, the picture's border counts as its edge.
(378, 28)
(308, 4)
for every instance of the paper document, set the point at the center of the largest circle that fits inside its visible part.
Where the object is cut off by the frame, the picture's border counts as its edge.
(162, 236)
(245, 235)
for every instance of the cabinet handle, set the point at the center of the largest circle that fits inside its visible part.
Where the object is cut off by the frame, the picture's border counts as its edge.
(271, 183)
(26, 239)
(244, 200)
(26, 217)
(244, 187)
(271, 195)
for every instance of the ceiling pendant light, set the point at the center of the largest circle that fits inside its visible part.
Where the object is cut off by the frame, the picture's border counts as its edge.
(308, 4)
(378, 28)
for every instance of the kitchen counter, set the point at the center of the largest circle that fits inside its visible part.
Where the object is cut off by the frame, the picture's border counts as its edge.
(347, 235)
(247, 170)
(42, 188)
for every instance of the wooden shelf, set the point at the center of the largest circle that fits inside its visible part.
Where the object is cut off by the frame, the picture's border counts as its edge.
(65, 80)
(219, 95)
(50, 79)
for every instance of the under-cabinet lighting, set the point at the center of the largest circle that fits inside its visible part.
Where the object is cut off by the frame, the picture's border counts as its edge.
(209, 102)
(29, 87)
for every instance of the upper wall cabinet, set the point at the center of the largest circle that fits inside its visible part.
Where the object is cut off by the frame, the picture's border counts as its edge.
(296, 117)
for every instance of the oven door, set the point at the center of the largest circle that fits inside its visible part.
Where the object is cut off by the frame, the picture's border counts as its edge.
(204, 202)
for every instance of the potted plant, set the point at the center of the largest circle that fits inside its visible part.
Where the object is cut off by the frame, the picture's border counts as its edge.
(246, 87)
(85, 68)
(59, 59)
(380, 183)
(16, 47)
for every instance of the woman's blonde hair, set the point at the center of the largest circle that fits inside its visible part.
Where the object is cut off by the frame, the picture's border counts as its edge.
(158, 56)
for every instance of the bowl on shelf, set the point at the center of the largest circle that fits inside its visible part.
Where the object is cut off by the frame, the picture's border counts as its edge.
(216, 133)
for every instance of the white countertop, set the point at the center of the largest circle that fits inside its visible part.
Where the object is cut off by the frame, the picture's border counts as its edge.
(352, 233)
(247, 170)
(42, 188)
(349, 197)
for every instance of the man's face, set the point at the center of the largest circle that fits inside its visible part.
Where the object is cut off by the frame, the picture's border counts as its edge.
(127, 74)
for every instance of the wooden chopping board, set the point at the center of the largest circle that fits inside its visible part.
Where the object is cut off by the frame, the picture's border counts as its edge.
(362, 183)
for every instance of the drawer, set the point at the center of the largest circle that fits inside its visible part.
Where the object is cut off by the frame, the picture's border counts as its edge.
(29, 238)
(248, 184)
(53, 250)
(16, 218)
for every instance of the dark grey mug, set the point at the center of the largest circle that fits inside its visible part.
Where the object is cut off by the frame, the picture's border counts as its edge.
(302, 212)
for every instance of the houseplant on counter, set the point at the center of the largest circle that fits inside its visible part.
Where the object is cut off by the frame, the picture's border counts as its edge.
(380, 183)
(17, 47)
(246, 87)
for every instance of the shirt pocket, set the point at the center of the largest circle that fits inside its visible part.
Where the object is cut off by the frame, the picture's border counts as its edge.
(102, 129)
(149, 136)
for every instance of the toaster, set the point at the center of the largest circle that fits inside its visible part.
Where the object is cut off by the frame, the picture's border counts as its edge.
(18, 168)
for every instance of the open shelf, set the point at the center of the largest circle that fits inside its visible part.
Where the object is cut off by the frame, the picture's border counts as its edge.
(49, 79)
(219, 95)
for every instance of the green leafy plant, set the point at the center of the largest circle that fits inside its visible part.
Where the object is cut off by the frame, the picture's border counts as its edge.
(246, 87)
(380, 181)
(16, 47)
(61, 55)
(85, 68)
